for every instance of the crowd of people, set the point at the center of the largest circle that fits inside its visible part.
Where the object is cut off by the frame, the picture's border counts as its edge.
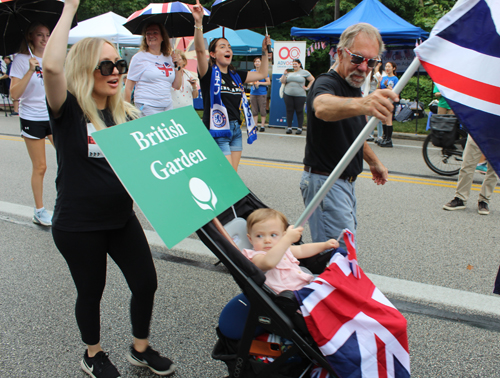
(82, 91)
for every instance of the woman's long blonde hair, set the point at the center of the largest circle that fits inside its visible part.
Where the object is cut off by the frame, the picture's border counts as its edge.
(81, 62)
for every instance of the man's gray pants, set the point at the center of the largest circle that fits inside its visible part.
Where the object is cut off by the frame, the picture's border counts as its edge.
(337, 210)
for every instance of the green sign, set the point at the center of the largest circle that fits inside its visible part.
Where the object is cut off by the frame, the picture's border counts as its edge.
(173, 169)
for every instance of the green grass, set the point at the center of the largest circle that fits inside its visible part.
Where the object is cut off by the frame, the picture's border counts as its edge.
(399, 127)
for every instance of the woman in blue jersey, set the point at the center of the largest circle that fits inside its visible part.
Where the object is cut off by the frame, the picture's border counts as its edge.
(388, 82)
(258, 96)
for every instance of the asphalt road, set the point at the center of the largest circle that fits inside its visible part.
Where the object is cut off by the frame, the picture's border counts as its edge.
(437, 267)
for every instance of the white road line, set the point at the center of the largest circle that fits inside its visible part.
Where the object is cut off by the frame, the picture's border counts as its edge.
(486, 304)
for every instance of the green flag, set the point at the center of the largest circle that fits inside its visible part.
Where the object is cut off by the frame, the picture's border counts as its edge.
(173, 169)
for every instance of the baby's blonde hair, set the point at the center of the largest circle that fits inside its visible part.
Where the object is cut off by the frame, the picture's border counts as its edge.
(262, 215)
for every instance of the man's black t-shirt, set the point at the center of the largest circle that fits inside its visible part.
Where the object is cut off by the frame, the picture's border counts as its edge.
(89, 195)
(230, 95)
(327, 142)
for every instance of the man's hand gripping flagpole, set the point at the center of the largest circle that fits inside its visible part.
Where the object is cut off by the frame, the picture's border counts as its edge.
(351, 152)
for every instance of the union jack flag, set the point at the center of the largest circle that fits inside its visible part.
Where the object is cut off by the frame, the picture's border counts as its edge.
(462, 56)
(319, 372)
(356, 327)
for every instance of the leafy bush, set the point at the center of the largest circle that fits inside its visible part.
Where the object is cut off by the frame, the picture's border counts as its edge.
(425, 90)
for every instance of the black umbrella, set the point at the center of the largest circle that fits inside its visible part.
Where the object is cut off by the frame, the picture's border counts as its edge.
(248, 14)
(16, 16)
(175, 16)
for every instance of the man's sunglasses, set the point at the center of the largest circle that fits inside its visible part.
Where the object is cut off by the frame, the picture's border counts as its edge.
(107, 67)
(358, 59)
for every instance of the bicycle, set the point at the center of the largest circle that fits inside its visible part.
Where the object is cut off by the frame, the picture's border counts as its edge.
(445, 161)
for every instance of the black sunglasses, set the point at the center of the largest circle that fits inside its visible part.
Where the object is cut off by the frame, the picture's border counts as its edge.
(107, 67)
(358, 59)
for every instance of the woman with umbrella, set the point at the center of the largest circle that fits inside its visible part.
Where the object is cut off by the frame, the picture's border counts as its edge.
(188, 91)
(94, 215)
(154, 70)
(27, 86)
(222, 89)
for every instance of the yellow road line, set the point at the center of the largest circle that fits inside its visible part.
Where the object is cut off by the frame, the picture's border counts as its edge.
(398, 178)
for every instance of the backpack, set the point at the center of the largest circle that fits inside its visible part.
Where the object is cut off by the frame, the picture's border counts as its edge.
(443, 129)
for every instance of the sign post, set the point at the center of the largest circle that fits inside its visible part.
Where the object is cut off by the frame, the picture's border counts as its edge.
(173, 169)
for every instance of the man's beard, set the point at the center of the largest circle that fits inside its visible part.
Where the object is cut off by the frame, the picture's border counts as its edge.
(353, 83)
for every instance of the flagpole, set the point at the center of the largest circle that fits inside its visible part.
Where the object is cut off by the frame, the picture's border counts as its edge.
(352, 151)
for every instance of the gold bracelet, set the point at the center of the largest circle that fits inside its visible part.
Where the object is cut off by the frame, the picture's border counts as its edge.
(200, 28)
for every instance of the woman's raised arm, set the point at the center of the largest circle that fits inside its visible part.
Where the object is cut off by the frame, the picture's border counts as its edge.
(54, 57)
(199, 43)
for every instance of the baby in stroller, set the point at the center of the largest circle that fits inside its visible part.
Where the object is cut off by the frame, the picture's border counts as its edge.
(275, 254)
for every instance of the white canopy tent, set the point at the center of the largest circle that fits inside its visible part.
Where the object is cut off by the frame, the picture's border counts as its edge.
(108, 25)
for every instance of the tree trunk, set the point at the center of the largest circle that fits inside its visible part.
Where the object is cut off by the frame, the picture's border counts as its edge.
(337, 9)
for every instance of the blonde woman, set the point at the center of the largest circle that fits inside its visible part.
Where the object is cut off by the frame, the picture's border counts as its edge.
(93, 216)
(189, 90)
(27, 86)
(153, 71)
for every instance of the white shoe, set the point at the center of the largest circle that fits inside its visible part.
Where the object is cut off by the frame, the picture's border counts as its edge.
(42, 217)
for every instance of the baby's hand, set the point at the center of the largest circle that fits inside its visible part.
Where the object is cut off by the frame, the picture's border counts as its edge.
(332, 243)
(294, 234)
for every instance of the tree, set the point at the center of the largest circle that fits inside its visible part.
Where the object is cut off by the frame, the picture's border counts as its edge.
(427, 15)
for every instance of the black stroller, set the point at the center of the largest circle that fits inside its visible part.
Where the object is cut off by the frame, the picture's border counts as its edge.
(277, 314)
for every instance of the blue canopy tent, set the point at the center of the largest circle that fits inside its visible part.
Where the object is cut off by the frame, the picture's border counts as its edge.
(394, 30)
(243, 42)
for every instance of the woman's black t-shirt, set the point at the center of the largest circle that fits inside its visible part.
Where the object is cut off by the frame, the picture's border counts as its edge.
(89, 195)
(230, 95)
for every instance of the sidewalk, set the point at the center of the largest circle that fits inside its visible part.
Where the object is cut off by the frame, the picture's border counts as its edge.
(10, 125)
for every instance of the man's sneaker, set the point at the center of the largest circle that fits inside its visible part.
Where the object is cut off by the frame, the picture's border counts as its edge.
(262, 129)
(482, 168)
(42, 217)
(455, 204)
(289, 131)
(151, 359)
(298, 132)
(99, 366)
(482, 208)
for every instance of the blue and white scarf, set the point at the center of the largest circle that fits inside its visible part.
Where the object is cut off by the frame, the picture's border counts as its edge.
(219, 120)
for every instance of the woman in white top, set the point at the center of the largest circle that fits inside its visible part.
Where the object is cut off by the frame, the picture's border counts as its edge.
(153, 71)
(189, 90)
(27, 86)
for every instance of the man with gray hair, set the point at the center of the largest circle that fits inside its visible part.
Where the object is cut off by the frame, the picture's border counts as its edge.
(335, 117)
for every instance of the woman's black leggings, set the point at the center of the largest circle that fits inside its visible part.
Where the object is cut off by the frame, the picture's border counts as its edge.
(294, 104)
(86, 255)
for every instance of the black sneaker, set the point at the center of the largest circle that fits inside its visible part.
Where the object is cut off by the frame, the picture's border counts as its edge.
(99, 366)
(151, 359)
(298, 132)
(288, 131)
(455, 204)
(386, 143)
(262, 129)
(482, 208)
